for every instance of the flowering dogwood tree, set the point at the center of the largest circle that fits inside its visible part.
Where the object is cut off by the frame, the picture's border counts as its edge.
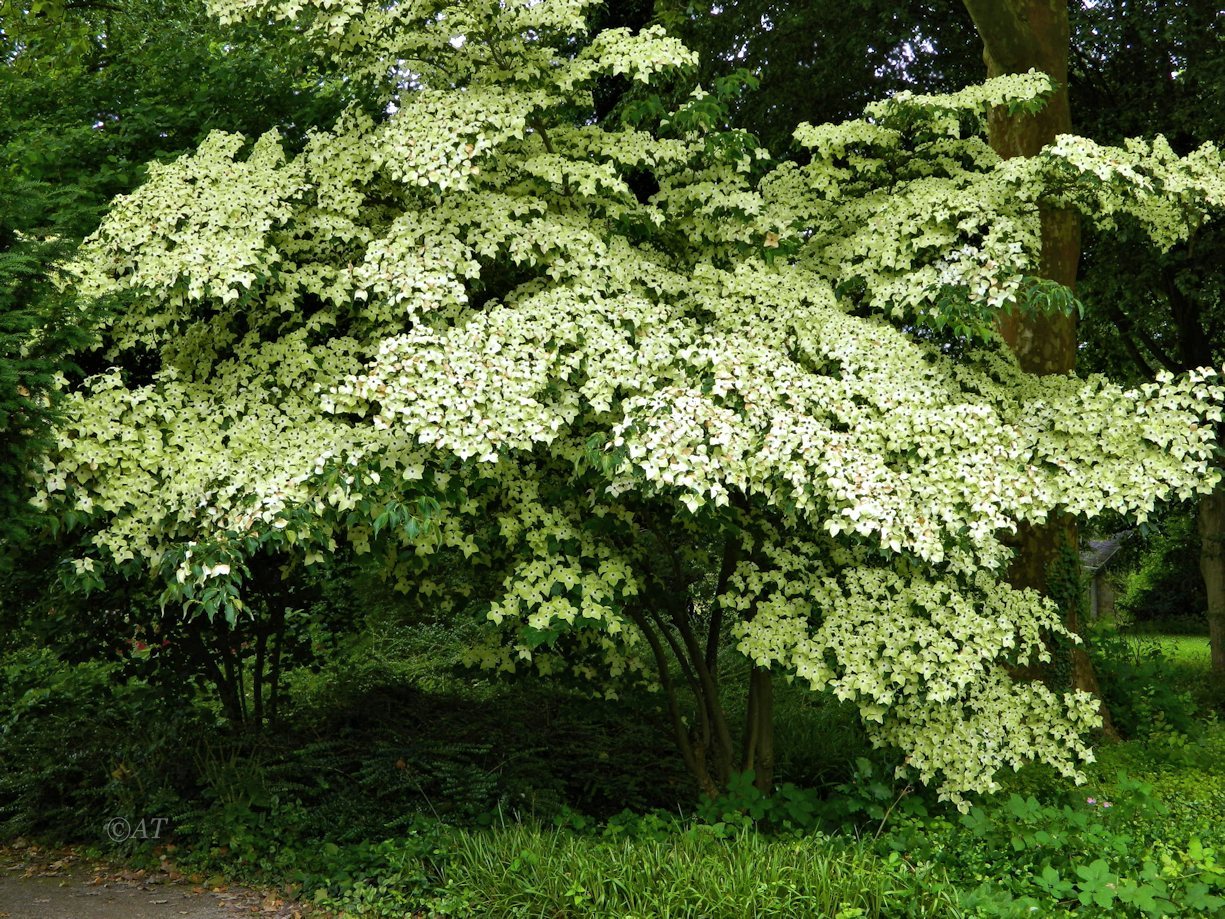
(677, 399)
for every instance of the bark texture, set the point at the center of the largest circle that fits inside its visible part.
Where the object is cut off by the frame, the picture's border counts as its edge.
(1212, 567)
(1019, 35)
(759, 730)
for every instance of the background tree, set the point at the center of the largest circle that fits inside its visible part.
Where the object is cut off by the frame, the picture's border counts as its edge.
(1157, 68)
(825, 60)
(37, 329)
(1017, 36)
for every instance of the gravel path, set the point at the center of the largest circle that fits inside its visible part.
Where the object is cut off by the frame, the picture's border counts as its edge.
(71, 888)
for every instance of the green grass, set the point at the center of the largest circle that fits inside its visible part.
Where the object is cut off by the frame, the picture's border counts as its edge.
(1187, 662)
(527, 871)
(1189, 652)
(1187, 771)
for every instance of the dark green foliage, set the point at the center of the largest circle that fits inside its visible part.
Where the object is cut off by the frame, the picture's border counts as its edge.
(89, 93)
(79, 746)
(1140, 68)
(1136, 683)
(38, 327)
(357, 763)
(1086, 854)
(1146, 68)
(823, 61)
(743, 803)
(1162, 583)
(866, 802)
(362, 798)
(153, 78)
(525, 749)
(1136, 68)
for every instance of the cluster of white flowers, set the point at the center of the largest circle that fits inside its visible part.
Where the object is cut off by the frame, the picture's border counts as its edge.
(458, 327)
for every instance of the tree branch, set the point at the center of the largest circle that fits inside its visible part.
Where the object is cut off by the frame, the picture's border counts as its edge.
(698, 694)
(678, 722)
(534, 122)
(1007, 38)
(731, 555)
(710, 688)
(1128, 328)
(93, 5)
(1133, 352)
(1191, 335)
(677, 651)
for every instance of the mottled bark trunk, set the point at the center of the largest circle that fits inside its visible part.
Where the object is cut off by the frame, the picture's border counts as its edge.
(1042, 343)
(1042, 563)
(1212, 567)
(1019, 35)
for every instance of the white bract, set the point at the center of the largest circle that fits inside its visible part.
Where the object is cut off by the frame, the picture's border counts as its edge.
(586, 358)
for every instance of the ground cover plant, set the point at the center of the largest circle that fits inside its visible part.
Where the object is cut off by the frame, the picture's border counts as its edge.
(464, 471)
(399, 814)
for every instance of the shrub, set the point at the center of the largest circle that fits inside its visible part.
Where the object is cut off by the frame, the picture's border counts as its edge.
(1104, 851)
(1163, 584)
(78, 747)
(1138, 685)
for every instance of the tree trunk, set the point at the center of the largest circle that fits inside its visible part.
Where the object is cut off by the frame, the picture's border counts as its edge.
(1019, 35)
(278, 636)
(207, 660)
(693, 753)
(759, 730)
(234, 699)
(1212, 567)
(257, 679)
(1195, 350)
(707, 745)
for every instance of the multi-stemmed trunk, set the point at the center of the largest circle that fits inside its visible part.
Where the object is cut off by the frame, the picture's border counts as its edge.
(686, 643)
(243, 662)
(706, 745)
